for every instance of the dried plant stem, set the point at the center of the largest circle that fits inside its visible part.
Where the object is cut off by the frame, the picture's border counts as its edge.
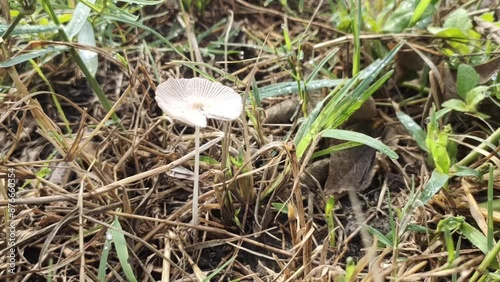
(196, 188)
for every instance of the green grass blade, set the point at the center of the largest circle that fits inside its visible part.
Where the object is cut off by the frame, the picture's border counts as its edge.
(356, 30)
(101, 273)
(336, 148)
(475, 236)
(435, 183)
(29, 29)
(121, 249)
(90, 78)
(320, 65)
(381, 237)
(285, 88)
(219, 269)
(86, 36)
(413, 128)
(490, 209)
(31, 55)
(419, 11)
(360, 138)
(78, 19)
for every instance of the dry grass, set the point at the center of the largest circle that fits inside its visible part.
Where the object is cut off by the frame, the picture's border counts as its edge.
(72, 185)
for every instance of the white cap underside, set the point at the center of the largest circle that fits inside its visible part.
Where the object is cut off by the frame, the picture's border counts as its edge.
(193, 100)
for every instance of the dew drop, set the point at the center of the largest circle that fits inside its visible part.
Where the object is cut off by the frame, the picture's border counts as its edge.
(109, 236)
(494, 77)
(300, 56)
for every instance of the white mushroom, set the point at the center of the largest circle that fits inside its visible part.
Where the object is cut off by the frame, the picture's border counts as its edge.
(192, 101)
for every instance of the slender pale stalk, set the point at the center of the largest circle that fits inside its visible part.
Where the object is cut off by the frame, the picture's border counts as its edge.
(196, 188)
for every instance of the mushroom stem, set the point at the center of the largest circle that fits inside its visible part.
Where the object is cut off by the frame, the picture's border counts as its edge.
(196, 188)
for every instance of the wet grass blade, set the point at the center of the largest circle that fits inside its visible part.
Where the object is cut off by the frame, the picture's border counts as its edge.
(101, 273)
(28, 29)
(121, 249)
(413, 128)
(320, 65)
(435, 183)
(31, 55)
(285, 88)
(353, 136)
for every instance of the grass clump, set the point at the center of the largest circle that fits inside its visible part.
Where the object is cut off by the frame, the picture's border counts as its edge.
(394, 104)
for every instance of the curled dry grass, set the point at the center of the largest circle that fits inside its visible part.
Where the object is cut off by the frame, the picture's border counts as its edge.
(73, 185)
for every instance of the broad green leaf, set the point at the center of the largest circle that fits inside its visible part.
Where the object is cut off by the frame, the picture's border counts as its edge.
(122, 250)
(450, 224)
(457, 39)
(360, 138)
(475, 96)
(447, 32)
(437, 143)
(458, 19)
(79, 18)
(488, 17)
(441, 113)
(451, 148)
(86, 36)
(435, 183)
(467, 79)
(457, 105)
(440, 153)
(413, 128)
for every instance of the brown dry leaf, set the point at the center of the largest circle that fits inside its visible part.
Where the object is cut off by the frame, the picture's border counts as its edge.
(449, 87)
(366, 112)
(282, 112)
(351, 170)
(488, 29)
(487, 70)
(317, 170)
(408, 65)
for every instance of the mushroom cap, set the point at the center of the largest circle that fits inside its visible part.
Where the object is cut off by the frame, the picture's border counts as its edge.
(193, 100)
